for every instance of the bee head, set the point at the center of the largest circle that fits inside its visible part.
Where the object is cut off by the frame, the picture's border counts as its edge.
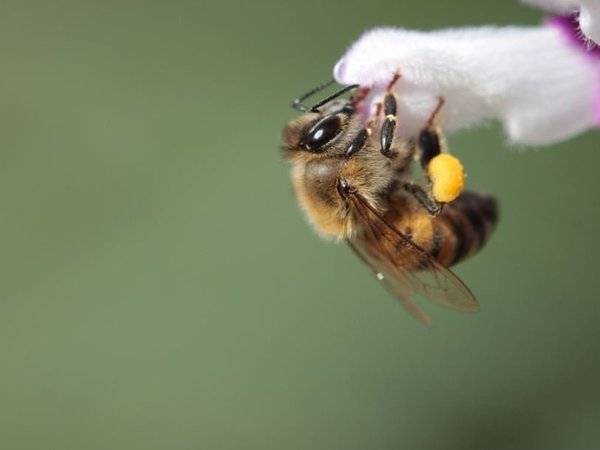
(316, 134)
(322, 126)
(333, 154)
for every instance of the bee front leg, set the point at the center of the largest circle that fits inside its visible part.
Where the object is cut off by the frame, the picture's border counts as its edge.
(389, 125)
(389, 121)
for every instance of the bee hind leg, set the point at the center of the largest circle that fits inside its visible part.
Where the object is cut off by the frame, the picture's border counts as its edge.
(444, 172)
(431, 140)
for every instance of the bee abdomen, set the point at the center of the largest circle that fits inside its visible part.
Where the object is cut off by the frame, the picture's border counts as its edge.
(464, 227)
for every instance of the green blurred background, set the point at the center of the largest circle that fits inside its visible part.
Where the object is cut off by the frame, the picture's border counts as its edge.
(160, 289)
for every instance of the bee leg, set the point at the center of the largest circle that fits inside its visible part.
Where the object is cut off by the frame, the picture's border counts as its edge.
(443, 171)
(389, 125)
(358, 142)
(432, 206)
(431, 142)
(359, 96)
(389, 121)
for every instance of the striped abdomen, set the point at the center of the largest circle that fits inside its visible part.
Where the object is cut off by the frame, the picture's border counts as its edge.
(461, 230)
(463, 227)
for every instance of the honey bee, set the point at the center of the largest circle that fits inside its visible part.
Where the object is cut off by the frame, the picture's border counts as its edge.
(352, 179)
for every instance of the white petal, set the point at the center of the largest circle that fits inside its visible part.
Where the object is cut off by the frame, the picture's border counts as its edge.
(589, 13)
(589, 19)
(541, 85)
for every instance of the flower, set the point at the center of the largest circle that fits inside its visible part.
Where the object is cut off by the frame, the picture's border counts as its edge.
(588, 12)
(541, 82)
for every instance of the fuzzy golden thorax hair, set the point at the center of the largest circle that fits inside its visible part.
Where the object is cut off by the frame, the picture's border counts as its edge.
(317, 172)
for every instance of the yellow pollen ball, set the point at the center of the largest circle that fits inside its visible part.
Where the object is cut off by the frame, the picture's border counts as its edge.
(447, 177)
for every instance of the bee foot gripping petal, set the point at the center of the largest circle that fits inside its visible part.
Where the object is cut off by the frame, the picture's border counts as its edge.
(541, 86)
(447, 177)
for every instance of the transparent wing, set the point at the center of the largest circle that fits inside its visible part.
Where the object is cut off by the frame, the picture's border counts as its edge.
(404, 268)
(398, 290)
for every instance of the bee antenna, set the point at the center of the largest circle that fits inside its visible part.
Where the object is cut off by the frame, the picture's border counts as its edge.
(297, 103)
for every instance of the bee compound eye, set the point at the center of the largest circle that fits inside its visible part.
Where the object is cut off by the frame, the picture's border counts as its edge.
(322, 132)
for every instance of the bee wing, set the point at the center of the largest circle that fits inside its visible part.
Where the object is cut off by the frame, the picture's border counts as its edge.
(398, 290)
(391, 254)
